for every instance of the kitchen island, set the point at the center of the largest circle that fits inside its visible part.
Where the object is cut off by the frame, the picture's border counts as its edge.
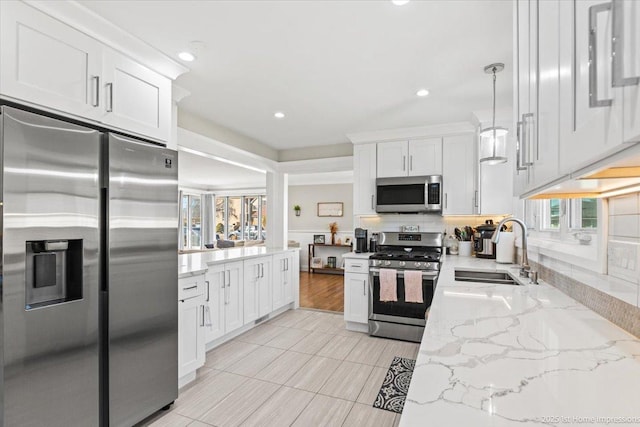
(506, 355)
(194, 263)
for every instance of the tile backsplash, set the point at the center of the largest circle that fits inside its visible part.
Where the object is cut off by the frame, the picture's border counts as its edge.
(426, 222)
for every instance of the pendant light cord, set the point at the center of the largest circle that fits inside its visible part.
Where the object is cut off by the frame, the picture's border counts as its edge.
(494, 103)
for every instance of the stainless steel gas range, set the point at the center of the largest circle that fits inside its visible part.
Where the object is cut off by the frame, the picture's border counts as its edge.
(403, 252)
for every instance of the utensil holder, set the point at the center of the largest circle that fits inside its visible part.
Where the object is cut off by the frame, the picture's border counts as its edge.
(465, 248)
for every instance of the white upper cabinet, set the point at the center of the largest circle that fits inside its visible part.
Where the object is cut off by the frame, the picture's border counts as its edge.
(46, 62)
(135, 98)
(409, 158)
(591, 108)
(425, 157)
(627, 14)
(364, 179)
(458, 179)
(49, 64)
(392, 159)
(544, 150)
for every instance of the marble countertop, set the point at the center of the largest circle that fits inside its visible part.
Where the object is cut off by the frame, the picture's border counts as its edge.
(192, 264)
(529, 355)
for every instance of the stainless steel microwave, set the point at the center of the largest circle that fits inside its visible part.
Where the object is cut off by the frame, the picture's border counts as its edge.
(410, 194)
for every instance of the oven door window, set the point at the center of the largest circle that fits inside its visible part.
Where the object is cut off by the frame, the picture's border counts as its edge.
(406, 194)
(401, 308)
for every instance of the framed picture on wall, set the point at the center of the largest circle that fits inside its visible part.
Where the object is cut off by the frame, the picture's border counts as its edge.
(330, 209)
(318, 239)
(316, 262)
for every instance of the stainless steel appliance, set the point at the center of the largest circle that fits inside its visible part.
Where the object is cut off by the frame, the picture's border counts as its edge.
(360, 234)
(403, 251)
(89, 275)
(482, 243)
(409, 194)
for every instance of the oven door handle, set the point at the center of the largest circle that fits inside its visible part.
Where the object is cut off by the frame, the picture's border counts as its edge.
(400, 273)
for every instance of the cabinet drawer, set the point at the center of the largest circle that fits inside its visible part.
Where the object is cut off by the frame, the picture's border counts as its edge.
(190, 287)
(357, 265)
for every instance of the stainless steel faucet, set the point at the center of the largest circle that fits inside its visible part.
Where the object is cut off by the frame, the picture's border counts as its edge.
(524, 267)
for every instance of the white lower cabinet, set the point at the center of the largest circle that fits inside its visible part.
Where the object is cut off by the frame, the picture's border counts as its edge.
(284, 279)
(224, 300)
(356, 297)
(191, 324)
(257, 288)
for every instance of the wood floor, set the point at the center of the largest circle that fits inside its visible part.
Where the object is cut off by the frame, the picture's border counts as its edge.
(322, 291)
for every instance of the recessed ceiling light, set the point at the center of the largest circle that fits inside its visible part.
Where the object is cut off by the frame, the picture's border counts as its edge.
(186, 56)
(279, 115)
(399, 2)
(422, 92)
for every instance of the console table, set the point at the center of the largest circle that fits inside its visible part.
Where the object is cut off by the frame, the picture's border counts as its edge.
(328, 270)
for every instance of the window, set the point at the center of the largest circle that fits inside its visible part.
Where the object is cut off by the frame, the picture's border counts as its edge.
(568, 215)
(583, 214)
(241, 217)
(191, 212)
(221, 217)
(551, 213)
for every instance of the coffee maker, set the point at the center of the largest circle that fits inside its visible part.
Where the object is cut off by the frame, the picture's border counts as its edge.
(360, 235)
(482, 243)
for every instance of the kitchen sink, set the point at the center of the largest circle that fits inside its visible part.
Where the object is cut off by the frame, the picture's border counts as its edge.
(485, 277)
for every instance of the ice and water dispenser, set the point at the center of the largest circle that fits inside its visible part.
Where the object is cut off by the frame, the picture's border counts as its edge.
(53, 272)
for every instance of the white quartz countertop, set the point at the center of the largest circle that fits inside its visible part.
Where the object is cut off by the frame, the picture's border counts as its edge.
(196, 263)
(505, 355)
(362, 255)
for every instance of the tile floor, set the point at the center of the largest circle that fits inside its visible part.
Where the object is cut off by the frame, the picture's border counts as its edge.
(302, 368)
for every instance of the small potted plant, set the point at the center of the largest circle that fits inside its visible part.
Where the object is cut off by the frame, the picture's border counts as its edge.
(297, 209)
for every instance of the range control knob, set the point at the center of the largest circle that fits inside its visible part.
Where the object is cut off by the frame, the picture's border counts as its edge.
(387, 263)
(402, 263)
(428, 265)
(417, 264)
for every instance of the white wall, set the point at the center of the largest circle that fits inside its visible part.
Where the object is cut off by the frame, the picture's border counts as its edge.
(303, 227)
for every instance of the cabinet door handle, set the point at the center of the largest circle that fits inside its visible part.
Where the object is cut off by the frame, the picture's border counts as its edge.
(207, 314)
(526, 147)
(208, 291)
(202, 322)
(110, 105)
(372, 202)
(96, 91)
(445, 200)
(189, 287)
(475, 198)
(287, 263)
(262, 268)
(364, 287)
(617, 47)
(404, 163)
(519, 136)
(357, 265)
(593, 56)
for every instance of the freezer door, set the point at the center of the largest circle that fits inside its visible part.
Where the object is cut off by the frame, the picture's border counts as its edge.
(49, 304)
(142, 279)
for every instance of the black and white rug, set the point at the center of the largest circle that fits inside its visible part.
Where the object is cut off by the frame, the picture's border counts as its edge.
(394, 389)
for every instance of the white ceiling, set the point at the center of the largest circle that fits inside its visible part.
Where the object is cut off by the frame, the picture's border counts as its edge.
(333, 67)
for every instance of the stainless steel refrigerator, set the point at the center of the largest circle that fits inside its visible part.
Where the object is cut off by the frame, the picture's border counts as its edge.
(88, 309)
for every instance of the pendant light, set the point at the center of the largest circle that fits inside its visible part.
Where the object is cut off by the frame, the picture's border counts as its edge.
(493, 140)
